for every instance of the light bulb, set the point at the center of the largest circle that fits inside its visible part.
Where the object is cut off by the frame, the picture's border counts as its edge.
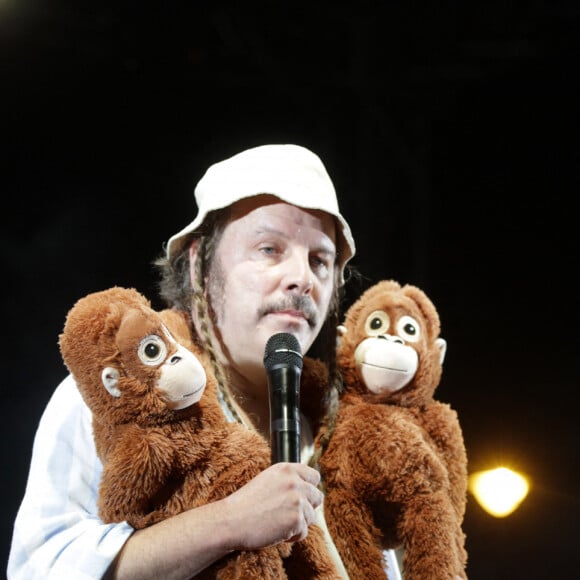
(498, 491)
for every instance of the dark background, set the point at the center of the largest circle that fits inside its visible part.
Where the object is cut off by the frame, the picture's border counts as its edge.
(451, 132)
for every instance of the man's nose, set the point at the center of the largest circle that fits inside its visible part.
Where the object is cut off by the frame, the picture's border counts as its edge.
(298, 276)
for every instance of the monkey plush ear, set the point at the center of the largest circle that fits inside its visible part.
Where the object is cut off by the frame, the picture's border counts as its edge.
(340, 332)
(442, 346)
(110, 378)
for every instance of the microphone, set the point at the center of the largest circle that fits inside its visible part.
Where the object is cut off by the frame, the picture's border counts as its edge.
(283, 363)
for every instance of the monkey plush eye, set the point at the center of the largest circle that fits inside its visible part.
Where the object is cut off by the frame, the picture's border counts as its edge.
(408, 329)
(377, 323)
(152, 350)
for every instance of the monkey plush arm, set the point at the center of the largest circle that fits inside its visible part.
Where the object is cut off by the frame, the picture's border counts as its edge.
(136, 471)
(442, 424)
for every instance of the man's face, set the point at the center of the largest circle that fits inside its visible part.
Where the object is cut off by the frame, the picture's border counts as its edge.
(273, 271)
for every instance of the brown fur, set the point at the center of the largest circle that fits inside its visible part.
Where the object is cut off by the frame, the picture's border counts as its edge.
(395, 468)
(158, 462)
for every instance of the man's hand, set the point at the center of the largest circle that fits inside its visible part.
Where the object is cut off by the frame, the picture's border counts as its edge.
(277, 505)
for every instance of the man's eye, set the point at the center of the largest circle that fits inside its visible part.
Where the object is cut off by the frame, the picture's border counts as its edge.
(268, 250)
(319, 264)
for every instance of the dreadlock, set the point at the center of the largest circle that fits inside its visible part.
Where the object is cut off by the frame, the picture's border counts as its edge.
(176, 290)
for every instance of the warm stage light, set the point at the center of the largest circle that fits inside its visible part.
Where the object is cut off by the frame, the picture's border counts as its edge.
(498, 491)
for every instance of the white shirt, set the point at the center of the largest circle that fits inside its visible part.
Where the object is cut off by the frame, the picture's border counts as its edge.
(57, 533)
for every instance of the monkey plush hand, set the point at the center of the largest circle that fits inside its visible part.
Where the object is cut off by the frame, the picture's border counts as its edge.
(159, 429)
(395, 466)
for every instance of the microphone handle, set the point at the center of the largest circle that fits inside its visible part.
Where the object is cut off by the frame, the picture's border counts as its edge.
(284, 414)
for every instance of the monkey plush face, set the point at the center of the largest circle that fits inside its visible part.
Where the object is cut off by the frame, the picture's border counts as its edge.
(388, 335)
(149, 353)
(125, 361)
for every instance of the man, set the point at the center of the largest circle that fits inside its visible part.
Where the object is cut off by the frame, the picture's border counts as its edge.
(266, 253)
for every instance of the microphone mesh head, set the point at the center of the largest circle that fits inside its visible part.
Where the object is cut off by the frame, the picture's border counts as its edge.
(282, 348)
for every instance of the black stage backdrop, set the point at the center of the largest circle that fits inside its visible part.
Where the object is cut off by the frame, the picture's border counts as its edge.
(451, 133)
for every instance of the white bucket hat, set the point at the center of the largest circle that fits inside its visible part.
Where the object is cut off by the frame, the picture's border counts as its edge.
(290, 172)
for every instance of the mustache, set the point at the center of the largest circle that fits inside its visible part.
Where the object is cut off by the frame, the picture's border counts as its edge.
(302, 304)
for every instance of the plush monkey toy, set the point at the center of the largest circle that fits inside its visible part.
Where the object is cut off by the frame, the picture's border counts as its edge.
(394, 465)
(159, 429)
